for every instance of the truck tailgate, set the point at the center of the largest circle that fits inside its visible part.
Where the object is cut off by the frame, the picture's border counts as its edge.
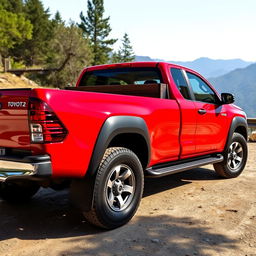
(14, 126)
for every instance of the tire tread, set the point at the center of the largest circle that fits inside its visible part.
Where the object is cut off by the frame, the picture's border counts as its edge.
(221, 168)
(109, 154)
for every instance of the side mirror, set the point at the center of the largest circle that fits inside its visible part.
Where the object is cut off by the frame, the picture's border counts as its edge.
(227, 98)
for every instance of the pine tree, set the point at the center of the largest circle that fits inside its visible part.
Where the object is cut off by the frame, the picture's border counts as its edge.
(58, 19)
(125, 53)
(14, 6)
(97, 29)
(126, 50)
(33, 51)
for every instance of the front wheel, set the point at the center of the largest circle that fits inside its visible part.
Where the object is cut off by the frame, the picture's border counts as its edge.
(234, 158)
(118, 189)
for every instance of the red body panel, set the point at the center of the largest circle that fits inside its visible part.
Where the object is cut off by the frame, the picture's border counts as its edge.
(211, 127)
(84, 113)
(176, 129)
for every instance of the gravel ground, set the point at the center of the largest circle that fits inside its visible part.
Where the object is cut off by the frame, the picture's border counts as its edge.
(191, 213)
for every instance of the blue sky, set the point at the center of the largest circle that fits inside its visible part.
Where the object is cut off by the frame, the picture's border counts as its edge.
(177, 29)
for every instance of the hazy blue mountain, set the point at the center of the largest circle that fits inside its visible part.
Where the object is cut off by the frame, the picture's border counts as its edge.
(213, 68)
(143, 58)
(205, 66)
(242, 83)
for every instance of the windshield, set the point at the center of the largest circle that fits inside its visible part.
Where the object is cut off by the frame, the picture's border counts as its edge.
(121, 76)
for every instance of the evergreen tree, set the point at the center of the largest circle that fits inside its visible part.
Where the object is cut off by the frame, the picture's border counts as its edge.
(97, 29)
(57, 19)
(125, 53)
(33, 51)
(14, 28)
(14, 6)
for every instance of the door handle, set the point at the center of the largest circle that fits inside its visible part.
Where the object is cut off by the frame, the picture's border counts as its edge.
(201, 111)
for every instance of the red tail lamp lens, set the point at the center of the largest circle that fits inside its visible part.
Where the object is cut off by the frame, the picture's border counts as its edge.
(45, 126)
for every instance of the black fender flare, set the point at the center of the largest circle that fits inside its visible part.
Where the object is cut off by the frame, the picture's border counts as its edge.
(237, 121)
(112, 127)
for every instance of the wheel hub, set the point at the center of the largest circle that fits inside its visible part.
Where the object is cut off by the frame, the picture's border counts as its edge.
(235, 155)
(117, 187)
(120, 187)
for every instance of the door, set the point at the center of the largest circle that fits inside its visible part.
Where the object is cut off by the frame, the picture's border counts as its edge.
(188, 113)
(211, 118)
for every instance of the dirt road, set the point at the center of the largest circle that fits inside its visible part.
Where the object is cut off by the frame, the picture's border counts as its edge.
(191, 213)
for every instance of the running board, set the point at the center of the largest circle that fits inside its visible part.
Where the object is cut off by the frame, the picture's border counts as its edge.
(159, 172)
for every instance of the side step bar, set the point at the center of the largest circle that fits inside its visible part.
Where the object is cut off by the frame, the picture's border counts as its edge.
(180, 167)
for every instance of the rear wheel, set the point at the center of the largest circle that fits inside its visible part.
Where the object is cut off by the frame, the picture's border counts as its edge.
(18, 192)
(234, 158)
(118, 189)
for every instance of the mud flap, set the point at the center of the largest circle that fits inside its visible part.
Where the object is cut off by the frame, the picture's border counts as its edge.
(81, 193)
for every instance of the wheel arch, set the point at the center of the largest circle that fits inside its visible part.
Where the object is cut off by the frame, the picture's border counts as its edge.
(239, 125)
(126, 131)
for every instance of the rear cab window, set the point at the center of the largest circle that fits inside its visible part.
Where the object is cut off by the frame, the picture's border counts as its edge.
(122, 76)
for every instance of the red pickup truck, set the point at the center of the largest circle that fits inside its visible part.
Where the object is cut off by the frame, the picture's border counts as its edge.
(120, 123)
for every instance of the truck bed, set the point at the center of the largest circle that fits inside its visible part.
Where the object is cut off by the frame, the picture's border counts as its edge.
(144, 90)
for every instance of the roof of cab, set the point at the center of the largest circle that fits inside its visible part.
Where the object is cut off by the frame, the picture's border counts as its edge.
(130, 64)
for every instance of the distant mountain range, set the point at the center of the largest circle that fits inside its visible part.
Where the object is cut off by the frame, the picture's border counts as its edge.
(242, 83)
(205, 66)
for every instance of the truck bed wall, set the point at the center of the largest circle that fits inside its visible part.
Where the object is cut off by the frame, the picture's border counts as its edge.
(145, 90)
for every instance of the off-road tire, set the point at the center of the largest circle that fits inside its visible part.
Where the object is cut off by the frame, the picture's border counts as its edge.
(18, 192)
(226, 168)
(105, 212)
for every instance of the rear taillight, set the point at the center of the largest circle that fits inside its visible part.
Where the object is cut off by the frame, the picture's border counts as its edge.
(45, 126)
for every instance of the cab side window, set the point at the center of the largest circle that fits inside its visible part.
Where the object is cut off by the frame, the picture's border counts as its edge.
(180, 82)
(201, 90)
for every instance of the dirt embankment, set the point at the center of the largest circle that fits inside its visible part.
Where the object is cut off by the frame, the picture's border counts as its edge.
(8, 80)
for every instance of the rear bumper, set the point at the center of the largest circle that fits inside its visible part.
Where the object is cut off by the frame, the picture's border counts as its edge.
(15, 167)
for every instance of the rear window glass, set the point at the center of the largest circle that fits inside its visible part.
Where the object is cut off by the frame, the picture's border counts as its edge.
(121, 76)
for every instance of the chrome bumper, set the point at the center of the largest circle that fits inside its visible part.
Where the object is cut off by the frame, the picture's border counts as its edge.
(16, 167)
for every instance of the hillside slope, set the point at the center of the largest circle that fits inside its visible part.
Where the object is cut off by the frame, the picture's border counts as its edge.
(8, 80)
(242, 83)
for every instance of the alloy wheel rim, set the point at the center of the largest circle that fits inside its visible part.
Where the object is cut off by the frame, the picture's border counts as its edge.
(235, 156)
(120, 187)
